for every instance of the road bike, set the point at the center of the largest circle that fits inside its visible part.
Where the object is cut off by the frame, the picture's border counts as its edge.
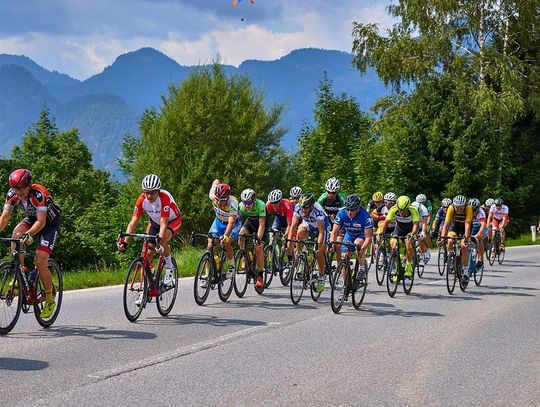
(245, 262)
(274, 254)
(305, 271)
(213, 270)
(442, 259)
(494, 249)
(382, 259)
(21, 288)
(348, 280)
(454, 265)
(144, 281)
(418, 265)
(473, 259)
(396, 269)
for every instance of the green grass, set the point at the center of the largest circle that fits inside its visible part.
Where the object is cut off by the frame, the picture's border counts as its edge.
(522, 240)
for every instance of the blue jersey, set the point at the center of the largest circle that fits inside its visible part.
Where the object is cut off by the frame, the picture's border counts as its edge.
(356, 226)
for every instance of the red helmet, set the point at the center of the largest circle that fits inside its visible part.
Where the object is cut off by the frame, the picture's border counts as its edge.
(222, 192)
(20, 178)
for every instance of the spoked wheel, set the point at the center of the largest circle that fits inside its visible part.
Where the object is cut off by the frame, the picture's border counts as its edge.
(337, 295)
(167, 293)
(57, 292)
(380, 265)
(314, 276)
(226, 279)
(270, 265)
(201, 283)
(359, 288)
(135, 290)
(442, 260)
(241, 276)
(418, 267)
(409, 281)
(392, 274)
(299, 275)
(478, 276)
(500, 256)
(451, 273)
(370, 256)
(285, 270)
(492, 252)
(462, 284)
(10, 297)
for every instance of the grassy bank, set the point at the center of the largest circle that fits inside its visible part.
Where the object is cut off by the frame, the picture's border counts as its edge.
(187, 259)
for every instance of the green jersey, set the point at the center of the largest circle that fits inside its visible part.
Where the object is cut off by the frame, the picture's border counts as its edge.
(258, 210)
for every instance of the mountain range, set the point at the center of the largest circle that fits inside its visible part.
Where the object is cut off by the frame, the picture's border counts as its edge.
(108, 105)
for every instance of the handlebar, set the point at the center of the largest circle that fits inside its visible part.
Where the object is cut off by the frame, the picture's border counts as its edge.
(194, 235)
(348, 245)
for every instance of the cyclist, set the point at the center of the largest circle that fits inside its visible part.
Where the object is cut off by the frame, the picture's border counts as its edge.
(498, 219)
(42, 222)
(458, 222)
(294, 195)
(358, 226)
(310, 219)
(164, 220)
(407, 218)
(422, 227)
(332, 200)
(373, 205)
(389, 201)
(283, 211)
(253, 212)
(227, 223)
(421, 198)
(440, 216)
(479, 229)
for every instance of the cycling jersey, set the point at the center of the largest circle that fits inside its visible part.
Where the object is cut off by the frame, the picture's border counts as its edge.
(285, 209)
(411, 216)
(499, 213)
(379, 211)
(39, 200)
(459, 218)
(163, 207)
(429, 206)
(441, 215)
(230, 209)
(258, 210)
(311, 219)
(332, 206)
(372, 205)
(422, 212)
(479, 217)
(354, 227)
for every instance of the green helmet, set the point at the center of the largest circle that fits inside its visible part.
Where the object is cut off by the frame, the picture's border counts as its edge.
(306, 200)
(403, 202)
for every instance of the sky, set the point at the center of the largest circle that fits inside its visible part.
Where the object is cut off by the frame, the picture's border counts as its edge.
(82, 37)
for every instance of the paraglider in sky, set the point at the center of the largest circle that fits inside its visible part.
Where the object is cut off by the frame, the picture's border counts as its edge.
(235, 3)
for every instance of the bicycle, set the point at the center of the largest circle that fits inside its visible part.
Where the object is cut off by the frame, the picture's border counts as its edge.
(396, 270)
(416, 264)
(442, 259)
(473, 258)
(304, 274)
(210, 273)
(354, 284)
(21, 289)
(495, 247)
(454, 266)
(245, 262)
(274, 254)
(370, 255)
(382, 259)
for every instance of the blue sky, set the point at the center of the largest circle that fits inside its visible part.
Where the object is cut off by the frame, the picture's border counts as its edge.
(82, 37)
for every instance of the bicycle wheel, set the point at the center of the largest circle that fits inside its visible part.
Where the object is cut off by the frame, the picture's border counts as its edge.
(478, 276)
(500, 255)
(10, 297)
(462, 284)
(392, 273)
(441, 260)
(57, 292)
(269, 265)
(240, 281)
(167, 293)
(203, 277)
(226, 279)
(380, 265)
(314, 276)
(337, 295)
(135, 285)
(359, 288)
(409, 281)
(299, 275)
(285, 269)
(492, 251)
(451, 270)
(370, 256)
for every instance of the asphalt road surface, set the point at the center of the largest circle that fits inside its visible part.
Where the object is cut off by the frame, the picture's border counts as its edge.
(480, 348)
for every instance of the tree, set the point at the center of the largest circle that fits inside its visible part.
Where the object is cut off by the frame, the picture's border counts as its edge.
(210, 126)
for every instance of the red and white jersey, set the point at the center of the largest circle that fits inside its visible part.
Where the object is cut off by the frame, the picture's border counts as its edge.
(163, 207)
(499, 214)
(480, 216)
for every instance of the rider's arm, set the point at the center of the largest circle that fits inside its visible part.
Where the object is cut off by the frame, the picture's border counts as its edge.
(131, 227)
(322, 229)
(4, 218)
(414, 230)
(335, 230)
(230, 224)
(163, 223)
(38, 224)
(367, 241)
(294, 226)
(260, 230)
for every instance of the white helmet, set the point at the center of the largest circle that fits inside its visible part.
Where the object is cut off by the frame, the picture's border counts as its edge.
(275, 196)
(446, 202)
(421, 198)
(247, 195)
(390, 196)
(459, 200)
(332, 185)
(295, 193)
(490, 201)
(416, 204)
(151, 182)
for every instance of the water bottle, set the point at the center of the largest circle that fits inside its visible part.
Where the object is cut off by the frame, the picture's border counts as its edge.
(32, 276)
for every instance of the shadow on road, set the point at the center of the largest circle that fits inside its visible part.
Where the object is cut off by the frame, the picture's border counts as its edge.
(22, 365)
(200, 319)
(378, 309)
(94, 332)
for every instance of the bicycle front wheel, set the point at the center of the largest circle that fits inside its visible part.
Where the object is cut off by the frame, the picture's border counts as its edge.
(241, 264)
(500, 256)
(135, 290)
(314, 277)
(167, 293)
(10, 297)
(478, 276)
(284, 269)
(370, 256)
(299, 274)
(451, 273)
(269, 264)
(226, 279)
(392, 274)
(337, 295)
(57, 292)
(441, 260)
(202, 281)
(359, 288)
(380, 265)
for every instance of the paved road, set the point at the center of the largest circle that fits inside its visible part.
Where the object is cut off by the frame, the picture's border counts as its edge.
(477, 348)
